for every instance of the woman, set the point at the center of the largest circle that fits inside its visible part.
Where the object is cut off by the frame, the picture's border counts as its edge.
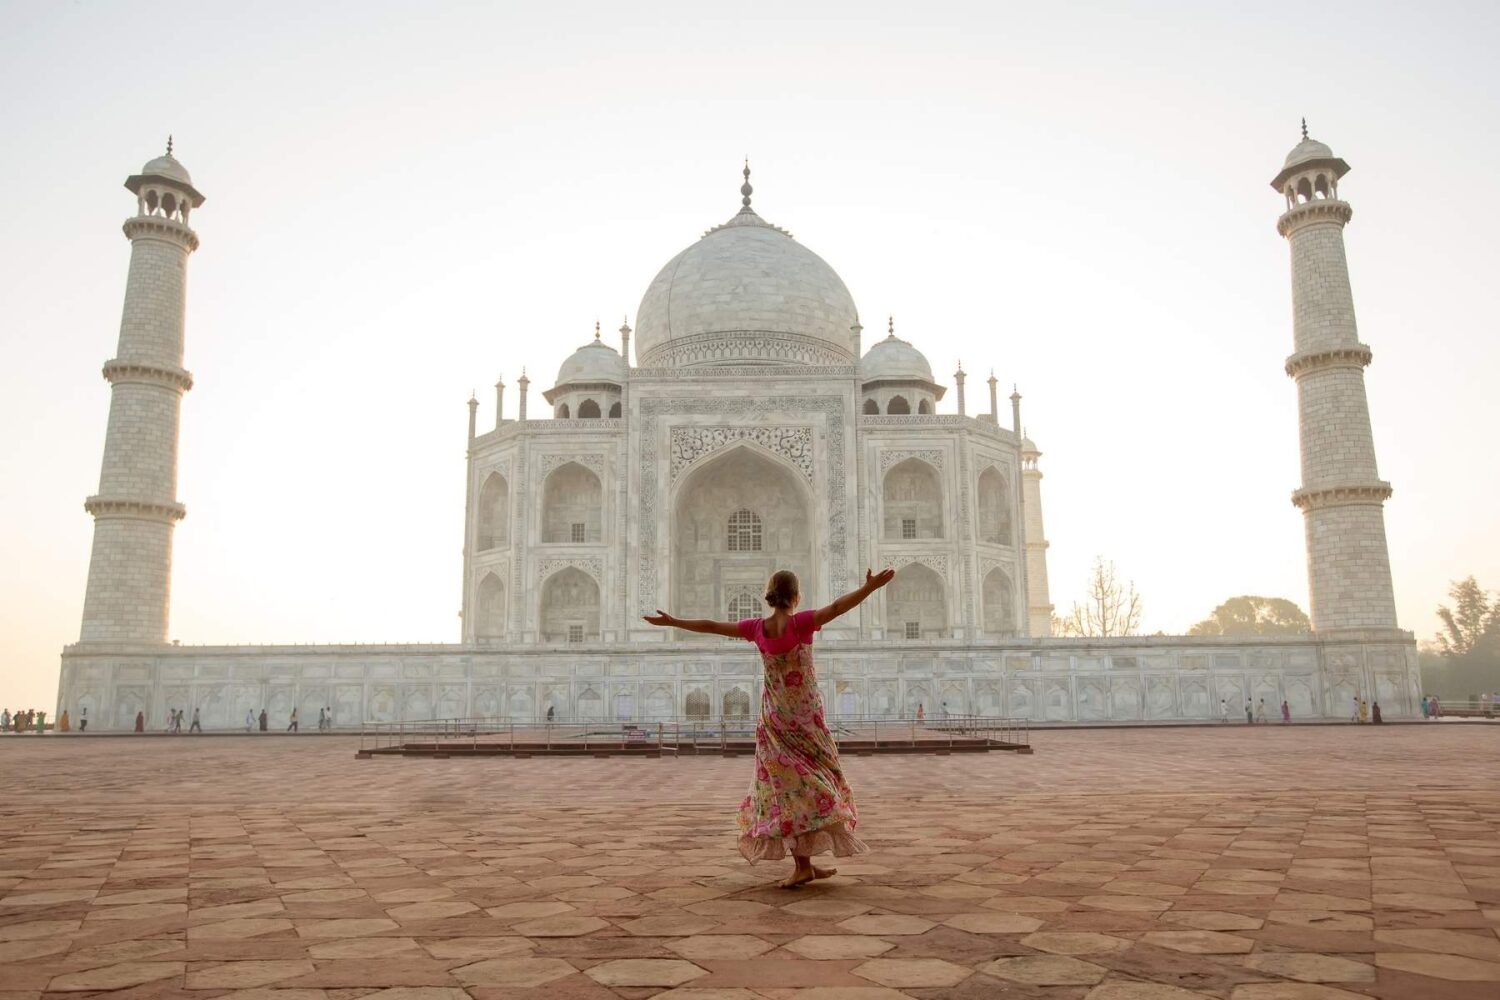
(799, 802)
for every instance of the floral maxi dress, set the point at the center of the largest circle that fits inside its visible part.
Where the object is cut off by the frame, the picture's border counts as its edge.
(799, 803)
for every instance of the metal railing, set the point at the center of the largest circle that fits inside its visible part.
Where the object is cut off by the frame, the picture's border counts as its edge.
(681, 735)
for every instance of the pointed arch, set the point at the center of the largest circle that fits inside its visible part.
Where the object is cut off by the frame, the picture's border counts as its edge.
(995, 521)
(923, 406)
(912, 501)
(570, 607)
(489, 608)
(898, 405)
(562, 411)
(698, 704)
(572, 505)
(999, 597)
(588, 410)
(916, 604)
(736, 703)
(871, 407)
(717, 502)
(614, 408)
(494, 512)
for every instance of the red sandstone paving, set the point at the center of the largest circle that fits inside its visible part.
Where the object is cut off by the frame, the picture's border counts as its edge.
(1237, 863)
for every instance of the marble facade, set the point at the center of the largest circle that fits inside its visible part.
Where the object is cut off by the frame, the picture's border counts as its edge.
(754, 433)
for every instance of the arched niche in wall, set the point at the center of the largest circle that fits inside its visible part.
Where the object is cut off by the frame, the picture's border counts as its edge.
(912, 501)
(737, 517)
(494, 512)
(916, 604)
(570, 607)
(999, 597)
(572, 505)
(489, 608)
(995, 521)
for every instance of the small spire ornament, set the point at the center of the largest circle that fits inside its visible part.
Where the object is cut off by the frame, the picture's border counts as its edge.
(1304, 129)
(745, 188)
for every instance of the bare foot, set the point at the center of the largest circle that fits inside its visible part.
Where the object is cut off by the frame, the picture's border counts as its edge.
(797, 878)
(825, 872)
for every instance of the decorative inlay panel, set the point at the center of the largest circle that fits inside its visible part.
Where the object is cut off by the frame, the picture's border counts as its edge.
(593, 567)
(745, 345)
(832, 409)
(932, 456)
(689, 444)
(935, 561)
(594, 463)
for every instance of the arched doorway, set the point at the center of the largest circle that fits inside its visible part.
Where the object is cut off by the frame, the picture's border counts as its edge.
(494, 511)
(912, 498)
(489, 618)
(916, 604)
(737, 518)
(572, 505)
(570, 607)
(999, 603)
(994, 508)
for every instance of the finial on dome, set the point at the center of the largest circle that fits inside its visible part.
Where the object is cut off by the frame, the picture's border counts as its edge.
(745, 188)
(890, 326)
(1304, 128)
(596, 329)
(169, 144)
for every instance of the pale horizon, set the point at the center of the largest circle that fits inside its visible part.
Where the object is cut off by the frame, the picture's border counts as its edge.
(402, 206)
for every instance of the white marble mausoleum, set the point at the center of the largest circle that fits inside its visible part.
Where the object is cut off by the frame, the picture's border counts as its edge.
(747, 423)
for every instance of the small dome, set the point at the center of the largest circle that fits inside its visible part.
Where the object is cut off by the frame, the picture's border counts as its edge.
(595, 361)
(168, 167)
(1029, 447)
(894, 358)
(1307, 149)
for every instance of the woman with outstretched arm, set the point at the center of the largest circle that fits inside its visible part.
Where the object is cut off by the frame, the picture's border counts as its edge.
(799, 802)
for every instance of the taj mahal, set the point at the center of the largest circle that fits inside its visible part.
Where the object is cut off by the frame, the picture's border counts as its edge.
(748, 422)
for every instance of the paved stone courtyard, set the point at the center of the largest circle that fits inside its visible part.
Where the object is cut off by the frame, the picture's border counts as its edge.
(1307, 863)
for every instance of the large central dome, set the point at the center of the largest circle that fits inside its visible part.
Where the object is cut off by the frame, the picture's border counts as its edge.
(746, 294)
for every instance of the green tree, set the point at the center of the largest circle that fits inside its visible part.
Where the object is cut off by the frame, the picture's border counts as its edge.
(1473, 623)
(1252, 615)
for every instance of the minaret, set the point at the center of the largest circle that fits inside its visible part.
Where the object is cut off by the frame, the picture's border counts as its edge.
(625, 341)
(958, 377)
(130, 568)
(524, 383)
(499, 401)
(1038, 599)
(1342, 494)
(994, 400)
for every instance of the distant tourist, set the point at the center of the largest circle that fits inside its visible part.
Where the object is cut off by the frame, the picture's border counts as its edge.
(1249, 712)
(1375, 713)
(322, 718)
(1437, 708)
(291, 726)
(5, 720)
(1364, 711)
(1354, 711)
(249, 720)
(263, 720)
(64, 723)
(196, 727)
(800, 803)
(140, 722)
(83, 719)
(1260, 711)
(550, 713)
(921, 715)
(41, 721)
(329, 710)
(1286, 712)
(1425, 706)
(1223, 709)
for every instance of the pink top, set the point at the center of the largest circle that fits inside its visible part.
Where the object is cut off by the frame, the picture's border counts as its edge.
(803, 625)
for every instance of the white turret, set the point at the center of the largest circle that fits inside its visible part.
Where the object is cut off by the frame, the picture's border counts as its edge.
(1342, 494)
(130, 569)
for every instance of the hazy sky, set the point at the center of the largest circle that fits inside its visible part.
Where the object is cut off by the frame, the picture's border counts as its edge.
(406, 200)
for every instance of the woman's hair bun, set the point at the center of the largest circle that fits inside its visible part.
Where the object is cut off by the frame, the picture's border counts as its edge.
(782, 589)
